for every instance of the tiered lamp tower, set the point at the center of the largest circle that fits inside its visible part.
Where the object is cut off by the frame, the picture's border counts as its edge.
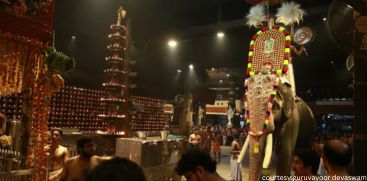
(117, 71)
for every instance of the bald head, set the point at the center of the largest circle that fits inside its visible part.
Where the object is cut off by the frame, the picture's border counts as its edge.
(337, 152)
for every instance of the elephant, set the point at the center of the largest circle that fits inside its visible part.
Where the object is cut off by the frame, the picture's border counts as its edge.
(288, 119)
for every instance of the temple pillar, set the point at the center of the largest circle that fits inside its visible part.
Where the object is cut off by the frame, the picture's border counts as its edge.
(360, 105)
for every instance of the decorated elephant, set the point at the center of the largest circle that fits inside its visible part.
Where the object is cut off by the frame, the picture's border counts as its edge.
(272, 110)
(296, 127)
(286, 118)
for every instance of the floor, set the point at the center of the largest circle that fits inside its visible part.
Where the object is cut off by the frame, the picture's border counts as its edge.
(223, 168)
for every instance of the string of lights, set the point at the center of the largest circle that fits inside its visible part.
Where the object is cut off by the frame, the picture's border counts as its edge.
(78, 108)
(148, 114)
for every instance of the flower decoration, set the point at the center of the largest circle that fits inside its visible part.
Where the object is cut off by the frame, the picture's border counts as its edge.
(59, 62)
(256, 16)
(24, 7)
(267, 109)
(289, 13)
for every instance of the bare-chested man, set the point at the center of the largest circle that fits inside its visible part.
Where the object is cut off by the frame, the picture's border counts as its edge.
(236, 168)
(195, 139)
(216, 145)
(207, 140)
(78, 167)
(58, 155)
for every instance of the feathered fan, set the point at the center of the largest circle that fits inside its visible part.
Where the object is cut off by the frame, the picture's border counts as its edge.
(290, 13)
(256, 16)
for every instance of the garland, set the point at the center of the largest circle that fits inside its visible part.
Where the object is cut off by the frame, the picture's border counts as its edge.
(267, 109)
(24, 7)
(287, 50)
(58, 61)
(11, 73)
(38, 136)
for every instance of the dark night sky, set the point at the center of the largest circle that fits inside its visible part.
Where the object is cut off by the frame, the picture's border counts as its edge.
(194, 24)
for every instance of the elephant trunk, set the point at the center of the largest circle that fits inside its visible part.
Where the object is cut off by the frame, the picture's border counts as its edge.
(256, 155)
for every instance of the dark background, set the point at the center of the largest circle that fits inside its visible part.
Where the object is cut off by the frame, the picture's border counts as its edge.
(194, 24)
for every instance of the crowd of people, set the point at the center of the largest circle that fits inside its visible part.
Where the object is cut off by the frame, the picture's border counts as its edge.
(210, 138)
(330, 158)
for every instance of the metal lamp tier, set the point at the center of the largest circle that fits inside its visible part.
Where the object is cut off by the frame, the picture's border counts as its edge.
(116, 72)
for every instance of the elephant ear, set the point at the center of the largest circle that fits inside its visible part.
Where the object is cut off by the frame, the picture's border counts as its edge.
(286, 93)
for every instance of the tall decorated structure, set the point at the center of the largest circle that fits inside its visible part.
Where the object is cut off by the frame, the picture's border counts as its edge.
(117, 72)
(30, 71)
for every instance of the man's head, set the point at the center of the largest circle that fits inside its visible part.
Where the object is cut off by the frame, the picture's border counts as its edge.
(86, 146)
(117, 169)
(195, 165)
(196, 131)
(236, 136)
(56, 134)
(208, 130)
(305, 162)
(336, 153)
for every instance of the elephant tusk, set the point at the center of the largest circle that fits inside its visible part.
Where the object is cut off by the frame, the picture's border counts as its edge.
(268, 151)
(244, 149)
